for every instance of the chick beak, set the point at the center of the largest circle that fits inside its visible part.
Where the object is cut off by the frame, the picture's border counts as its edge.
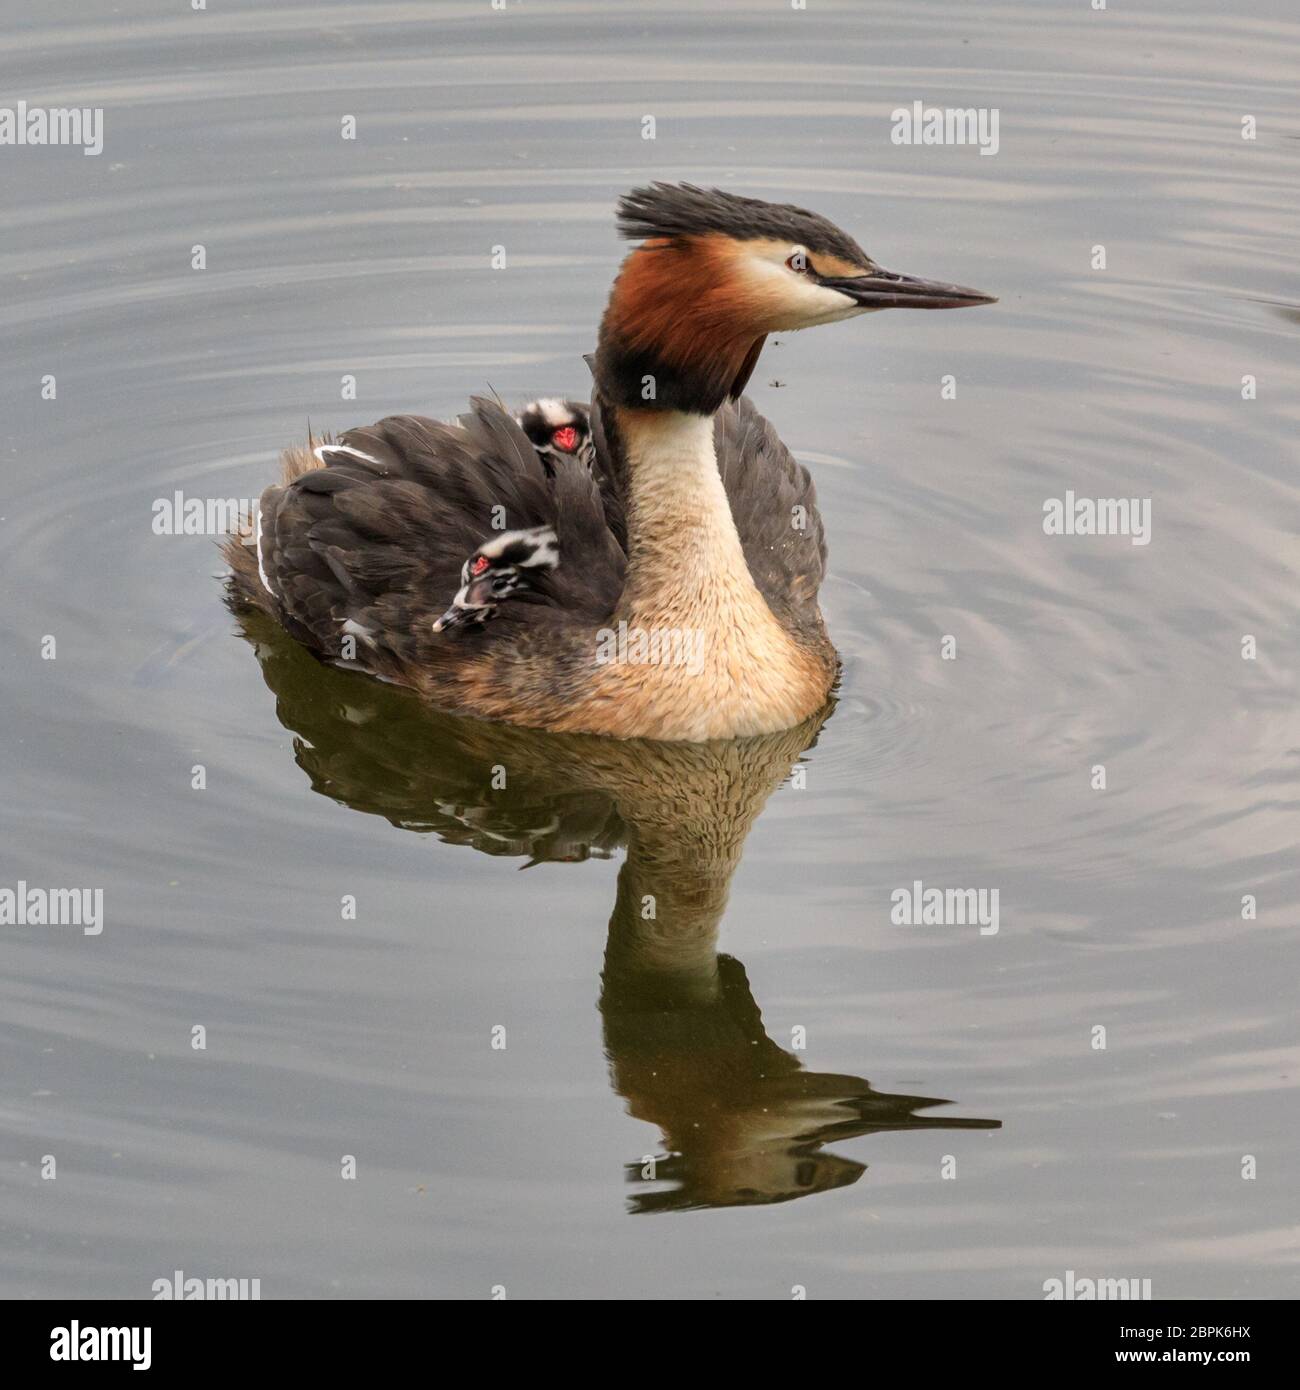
(472, 603)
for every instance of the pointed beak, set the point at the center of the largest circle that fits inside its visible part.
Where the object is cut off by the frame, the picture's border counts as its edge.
(472, 604)
(885, 289)
(453, 617)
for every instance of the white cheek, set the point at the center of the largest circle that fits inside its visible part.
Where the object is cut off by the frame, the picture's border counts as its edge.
(805, 304)
(822, 305)
(796, 302)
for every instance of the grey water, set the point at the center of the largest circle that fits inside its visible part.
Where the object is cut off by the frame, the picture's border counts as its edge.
(540, 1091)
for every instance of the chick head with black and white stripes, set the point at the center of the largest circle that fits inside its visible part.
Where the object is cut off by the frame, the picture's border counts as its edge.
(496, 571)
(558, 430)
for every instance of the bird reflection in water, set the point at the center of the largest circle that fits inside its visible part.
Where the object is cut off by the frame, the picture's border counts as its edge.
(743, 1122)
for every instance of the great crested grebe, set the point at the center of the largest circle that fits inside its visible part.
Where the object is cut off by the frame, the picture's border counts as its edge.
(667, 589)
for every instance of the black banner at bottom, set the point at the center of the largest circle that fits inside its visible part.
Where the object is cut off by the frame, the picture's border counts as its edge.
(338, 1337)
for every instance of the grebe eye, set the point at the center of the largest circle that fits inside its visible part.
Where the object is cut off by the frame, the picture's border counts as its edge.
(798, 262)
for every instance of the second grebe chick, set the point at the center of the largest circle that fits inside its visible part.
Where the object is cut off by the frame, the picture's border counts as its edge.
(559, 429)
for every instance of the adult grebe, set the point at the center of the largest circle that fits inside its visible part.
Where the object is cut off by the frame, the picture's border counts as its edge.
(669, 590)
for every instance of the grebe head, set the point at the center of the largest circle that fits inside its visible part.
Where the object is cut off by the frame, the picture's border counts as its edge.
(558, 429)
(714, 275)
(500, 568)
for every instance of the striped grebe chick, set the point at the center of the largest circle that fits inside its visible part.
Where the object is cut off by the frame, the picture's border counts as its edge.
(661, 583)
(559, 430)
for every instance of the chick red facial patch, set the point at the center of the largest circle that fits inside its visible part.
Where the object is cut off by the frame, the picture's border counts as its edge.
(479, 564)
(566, 438)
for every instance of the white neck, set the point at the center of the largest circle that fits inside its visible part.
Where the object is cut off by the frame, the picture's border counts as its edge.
(684, 556)
(687, 576)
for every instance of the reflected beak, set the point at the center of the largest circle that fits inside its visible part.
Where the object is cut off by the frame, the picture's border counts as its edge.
(883, 289)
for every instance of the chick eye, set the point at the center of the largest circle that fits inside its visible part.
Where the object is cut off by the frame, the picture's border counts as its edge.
(798, 262)
(502, 583)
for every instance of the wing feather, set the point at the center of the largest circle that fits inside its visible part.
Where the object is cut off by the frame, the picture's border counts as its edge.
(372, 542)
